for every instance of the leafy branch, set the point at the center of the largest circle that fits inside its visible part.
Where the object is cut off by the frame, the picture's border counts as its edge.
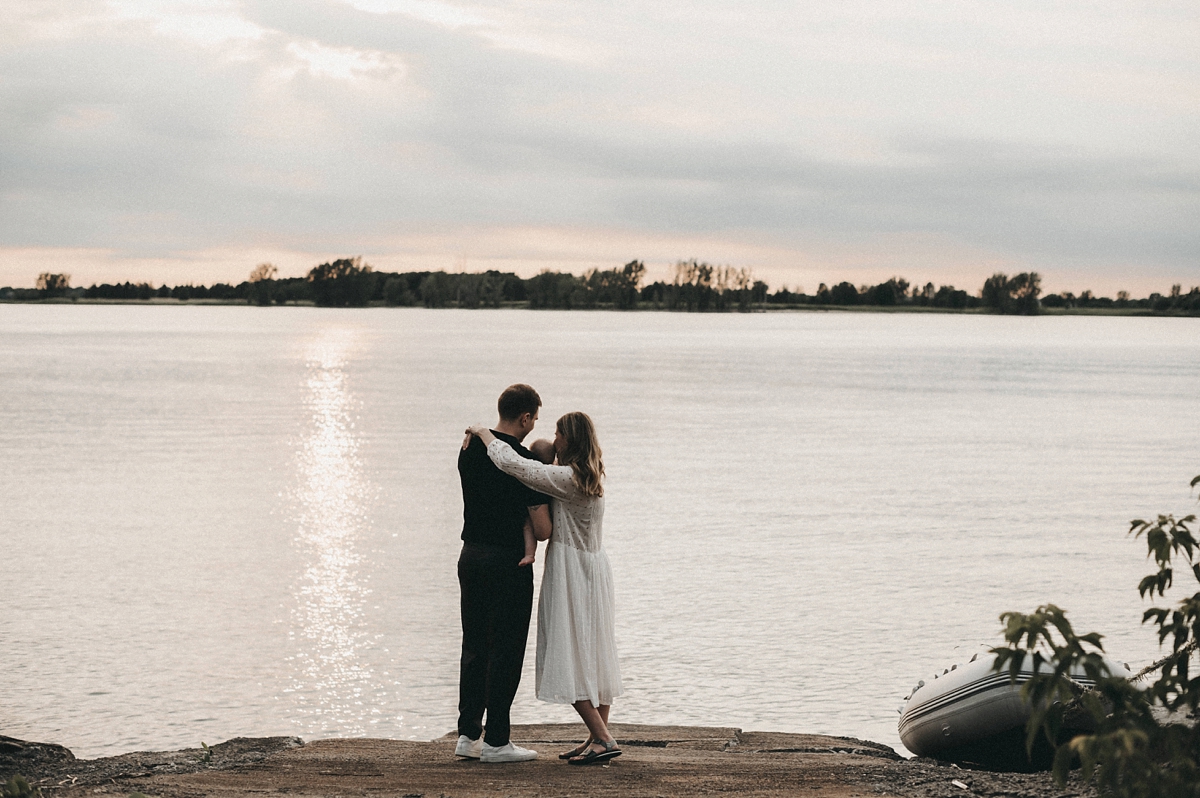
(1112, 729)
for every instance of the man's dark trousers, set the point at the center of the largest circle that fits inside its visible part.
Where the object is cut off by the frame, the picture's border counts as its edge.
(497, 600)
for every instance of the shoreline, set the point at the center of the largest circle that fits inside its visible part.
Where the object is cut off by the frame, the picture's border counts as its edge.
(643, 308)
(657, 761)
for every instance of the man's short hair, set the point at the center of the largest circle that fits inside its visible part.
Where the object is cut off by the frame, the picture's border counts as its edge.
(517, 400)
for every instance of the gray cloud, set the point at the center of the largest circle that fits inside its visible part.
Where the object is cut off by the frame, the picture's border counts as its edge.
(123, 136)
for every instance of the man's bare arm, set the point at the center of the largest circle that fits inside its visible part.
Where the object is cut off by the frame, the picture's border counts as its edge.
(540, 516)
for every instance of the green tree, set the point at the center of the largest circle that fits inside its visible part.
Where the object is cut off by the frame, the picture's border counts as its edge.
(346, 282)
(950, 297)
(995, 293)
(556, 290)
(922, 296)
(1016, 295)
(1130, 751)
(262, 283)
(1024, 289)
(758, 292)
(889, 293)
(844, 293)
(691, 288)
(436, 290)
(397, 292)
(263, 272)
(734, 288)
(618, 287)
(479, 290)
(50, 284)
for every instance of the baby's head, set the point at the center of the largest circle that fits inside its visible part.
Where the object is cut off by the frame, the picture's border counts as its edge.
(543, 450)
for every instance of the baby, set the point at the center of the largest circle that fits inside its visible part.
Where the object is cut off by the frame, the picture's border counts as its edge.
(543, 450)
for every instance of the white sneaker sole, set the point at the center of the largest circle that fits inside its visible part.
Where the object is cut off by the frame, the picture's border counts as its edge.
(497, 757)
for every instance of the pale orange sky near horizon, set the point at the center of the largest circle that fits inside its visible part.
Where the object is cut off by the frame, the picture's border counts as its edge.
(175, 141)
(20, 269)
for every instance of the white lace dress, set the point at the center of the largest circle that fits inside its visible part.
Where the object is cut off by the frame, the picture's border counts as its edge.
(576, 653)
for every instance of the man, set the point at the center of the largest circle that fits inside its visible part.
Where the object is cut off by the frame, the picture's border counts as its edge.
(497, 593)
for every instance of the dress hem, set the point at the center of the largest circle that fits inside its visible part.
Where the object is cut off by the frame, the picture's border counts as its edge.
(569, 701)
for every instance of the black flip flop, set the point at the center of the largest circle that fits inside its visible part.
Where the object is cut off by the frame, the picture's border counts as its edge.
(592, 756)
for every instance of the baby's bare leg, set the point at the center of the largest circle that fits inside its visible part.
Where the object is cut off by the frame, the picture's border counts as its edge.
(530, 543)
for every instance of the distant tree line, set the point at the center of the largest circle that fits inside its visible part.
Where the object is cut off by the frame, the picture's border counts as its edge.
(893, 292)
(700, 287)
(695, 286)
(1175, 300)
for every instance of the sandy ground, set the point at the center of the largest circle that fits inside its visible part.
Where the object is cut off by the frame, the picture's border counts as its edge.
(657, 761)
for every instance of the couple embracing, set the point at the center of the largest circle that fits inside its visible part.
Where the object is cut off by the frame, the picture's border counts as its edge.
(510, 493)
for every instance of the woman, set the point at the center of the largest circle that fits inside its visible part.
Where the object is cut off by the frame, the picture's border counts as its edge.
(576, 653)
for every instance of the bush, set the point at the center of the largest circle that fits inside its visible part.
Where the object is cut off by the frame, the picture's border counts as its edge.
(1131, 753)
(17, 787)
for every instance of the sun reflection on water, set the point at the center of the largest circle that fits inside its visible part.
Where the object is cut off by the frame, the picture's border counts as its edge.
(333, 689)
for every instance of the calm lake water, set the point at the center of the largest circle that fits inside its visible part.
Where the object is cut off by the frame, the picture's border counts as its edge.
(221, 521)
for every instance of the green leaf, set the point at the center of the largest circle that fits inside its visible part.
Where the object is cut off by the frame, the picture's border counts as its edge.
(1062, 764)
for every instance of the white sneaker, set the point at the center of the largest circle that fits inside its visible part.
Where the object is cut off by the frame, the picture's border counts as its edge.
(467, 747)
(506, 753)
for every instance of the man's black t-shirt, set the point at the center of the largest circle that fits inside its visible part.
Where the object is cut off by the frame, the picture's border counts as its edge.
(495, 505)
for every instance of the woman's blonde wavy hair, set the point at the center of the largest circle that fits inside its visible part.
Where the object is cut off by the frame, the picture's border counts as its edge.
(582, 452)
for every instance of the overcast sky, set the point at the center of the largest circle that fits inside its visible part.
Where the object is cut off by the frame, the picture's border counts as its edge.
(188, 140)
